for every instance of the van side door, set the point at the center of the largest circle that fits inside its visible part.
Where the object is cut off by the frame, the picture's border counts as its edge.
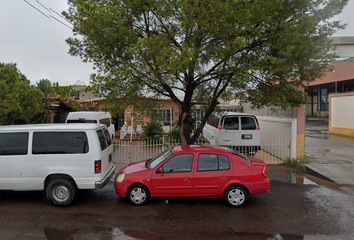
(13, 159)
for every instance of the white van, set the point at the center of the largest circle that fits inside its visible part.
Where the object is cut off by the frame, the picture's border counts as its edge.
(239, 131)
(57, 158)
(93, 117)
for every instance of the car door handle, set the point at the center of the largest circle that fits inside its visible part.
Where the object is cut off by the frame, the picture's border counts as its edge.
(186, 179)
(223, 177)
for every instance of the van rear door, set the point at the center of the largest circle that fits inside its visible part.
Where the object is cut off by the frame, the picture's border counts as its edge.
(250, 133)
(106, 151)
(229, 134)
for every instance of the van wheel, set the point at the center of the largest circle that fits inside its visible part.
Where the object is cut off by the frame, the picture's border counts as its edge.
(61, 192)
(138, 195)
(236, 196)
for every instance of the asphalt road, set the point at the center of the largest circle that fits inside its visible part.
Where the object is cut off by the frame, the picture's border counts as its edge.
(302, 210)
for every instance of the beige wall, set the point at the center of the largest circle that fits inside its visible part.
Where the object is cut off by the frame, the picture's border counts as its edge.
(341, 111)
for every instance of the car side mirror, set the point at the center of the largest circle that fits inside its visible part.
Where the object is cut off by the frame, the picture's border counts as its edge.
(160, 170)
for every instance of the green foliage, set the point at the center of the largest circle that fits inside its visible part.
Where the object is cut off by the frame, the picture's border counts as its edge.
(19, 101)
(153, 131)
(67, 94)
(205, 49)
(297, 163)
(174, 134)
(46, 87)
(53, 93)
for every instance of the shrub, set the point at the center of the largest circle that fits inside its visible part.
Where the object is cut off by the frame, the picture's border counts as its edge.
(152, 131)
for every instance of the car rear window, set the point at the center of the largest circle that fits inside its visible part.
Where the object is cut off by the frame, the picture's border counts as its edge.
(59, 143)
(14, 143)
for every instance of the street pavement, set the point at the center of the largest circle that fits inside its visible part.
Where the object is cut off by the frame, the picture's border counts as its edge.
(332, 156)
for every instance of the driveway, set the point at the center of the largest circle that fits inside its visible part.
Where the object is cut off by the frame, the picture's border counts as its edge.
(331, 155)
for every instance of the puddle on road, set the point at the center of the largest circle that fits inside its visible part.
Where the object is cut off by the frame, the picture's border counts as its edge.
(289, 177)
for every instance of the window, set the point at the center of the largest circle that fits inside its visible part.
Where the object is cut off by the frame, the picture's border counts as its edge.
(248, 123)
(153, 162)
(105, 121)
(231, 123)
(178, 163)
(102, 138)
(163, 115)
(108, 138)
(212, 162)
(59, 143)
(81, 121)
(13, 143)
(213, 121)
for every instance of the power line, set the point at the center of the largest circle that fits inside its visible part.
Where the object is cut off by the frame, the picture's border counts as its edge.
(61, 22)
(36, 8)
(50, 16)
(60, 16)
(42, 5)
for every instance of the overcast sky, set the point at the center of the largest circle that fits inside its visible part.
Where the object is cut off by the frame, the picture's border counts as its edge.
(36, 42)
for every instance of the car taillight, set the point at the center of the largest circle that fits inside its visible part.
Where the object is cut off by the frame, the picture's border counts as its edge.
(220, 125)
(264, 171)
(98, 166)
(258, 126)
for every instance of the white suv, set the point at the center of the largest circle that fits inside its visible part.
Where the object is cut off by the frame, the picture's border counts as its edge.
(57, 158)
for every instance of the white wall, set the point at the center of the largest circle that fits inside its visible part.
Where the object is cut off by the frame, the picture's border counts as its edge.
(281, 132)
(342, 112)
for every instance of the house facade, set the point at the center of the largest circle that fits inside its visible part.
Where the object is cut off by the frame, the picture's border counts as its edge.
(337, 80)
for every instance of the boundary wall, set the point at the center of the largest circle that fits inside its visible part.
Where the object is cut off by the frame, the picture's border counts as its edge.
(341, 114)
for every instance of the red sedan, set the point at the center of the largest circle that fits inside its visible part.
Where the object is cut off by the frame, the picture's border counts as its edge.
(194, 171)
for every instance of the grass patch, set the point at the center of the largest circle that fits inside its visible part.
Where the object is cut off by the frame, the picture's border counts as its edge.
(297, 163)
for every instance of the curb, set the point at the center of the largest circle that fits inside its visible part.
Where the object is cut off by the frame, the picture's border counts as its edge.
(317, 174)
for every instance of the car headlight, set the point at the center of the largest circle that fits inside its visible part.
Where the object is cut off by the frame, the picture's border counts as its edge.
(120, 178)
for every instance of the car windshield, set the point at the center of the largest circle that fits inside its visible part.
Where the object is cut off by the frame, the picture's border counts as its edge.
(159, 158)
(240, 155)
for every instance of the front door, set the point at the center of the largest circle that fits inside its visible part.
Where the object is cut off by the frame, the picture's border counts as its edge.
(174, 177)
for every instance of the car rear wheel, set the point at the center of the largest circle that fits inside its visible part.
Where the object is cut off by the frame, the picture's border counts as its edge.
(138, 195)
(236, 196)
(61, 192)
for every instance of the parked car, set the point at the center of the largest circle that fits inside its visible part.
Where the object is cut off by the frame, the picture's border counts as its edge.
(56, 158)
(194, 171)
(93, 117)
(239, 131)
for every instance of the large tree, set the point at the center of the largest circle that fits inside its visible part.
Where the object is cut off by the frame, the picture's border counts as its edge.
(20, 102)
(204, 49)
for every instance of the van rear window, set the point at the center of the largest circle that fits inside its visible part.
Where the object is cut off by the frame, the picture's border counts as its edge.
(59, 143)
(248, 123)
(81, 121)
(102, 138)
(231, 123)
(14, 143)
(213, 121)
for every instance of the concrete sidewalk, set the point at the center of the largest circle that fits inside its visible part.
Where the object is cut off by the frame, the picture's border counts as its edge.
(332, 156)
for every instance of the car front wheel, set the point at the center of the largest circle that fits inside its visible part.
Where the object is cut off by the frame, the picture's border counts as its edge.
(138, 195)
(236, 196)
(61, 192)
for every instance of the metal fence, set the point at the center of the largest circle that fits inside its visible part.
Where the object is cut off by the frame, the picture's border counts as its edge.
(273, 151)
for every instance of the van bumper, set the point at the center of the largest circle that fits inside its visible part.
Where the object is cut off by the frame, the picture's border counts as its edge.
(106, 179)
